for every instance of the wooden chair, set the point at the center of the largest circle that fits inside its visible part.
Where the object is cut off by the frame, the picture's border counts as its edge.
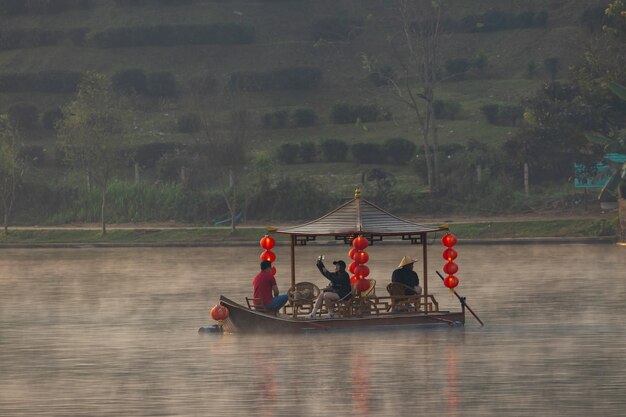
(255, 304)
(302, 297)
(400, 301)
(365, 303)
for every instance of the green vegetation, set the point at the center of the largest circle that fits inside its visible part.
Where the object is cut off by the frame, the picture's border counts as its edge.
(213, 235)
(314, 99)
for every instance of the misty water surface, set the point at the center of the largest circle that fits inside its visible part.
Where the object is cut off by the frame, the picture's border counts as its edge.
(113, 332)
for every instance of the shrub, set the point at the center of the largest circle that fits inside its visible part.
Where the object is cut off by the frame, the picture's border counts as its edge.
(307, 152)
(29, 38)
(149, 154)
(457, 67)
(491, 112)
(382, 75)
(366, 153)
(17, 7)
(62, 82)
(287, 153)
(130, 81)
(189, 123)
(304, 117)
(33, 154)
(449, 110)
(293, 78)
(346, 113)
(162, 84)
(336, 29)
(334, 150)
(492, 21)
(23, 116)
(552, 65)
(276, 119)
(399, 150)
(206, 84)
(77, 36)
(502, 115)
(290, 199)
(173, 35)
(50, 118)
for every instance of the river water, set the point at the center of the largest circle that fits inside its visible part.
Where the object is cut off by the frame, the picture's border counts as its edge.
(113, 332)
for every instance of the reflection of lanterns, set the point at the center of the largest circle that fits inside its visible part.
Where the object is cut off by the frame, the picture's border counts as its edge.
(360, 243)
(450, 254)
(451, 281)
(219, 313)
(361, 271)
(353, 279)
(361, 257)
(448, 240)
(363, 285)
(267, 242)
(352, 252)
(268, 255)
(352, 266)
(450, 268)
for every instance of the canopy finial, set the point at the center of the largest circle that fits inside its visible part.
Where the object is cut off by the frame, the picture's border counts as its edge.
(357, 192)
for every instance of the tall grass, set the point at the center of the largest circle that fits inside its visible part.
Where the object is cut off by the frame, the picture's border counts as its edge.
(131, 203)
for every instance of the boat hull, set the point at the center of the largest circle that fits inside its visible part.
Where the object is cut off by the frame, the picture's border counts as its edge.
(242, 319)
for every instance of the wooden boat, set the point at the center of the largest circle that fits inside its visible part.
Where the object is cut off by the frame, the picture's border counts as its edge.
(364, 310)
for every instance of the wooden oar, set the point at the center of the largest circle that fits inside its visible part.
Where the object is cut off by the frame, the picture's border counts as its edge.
(462, 300)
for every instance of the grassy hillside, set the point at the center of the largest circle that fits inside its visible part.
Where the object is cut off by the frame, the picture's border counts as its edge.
(284, 38)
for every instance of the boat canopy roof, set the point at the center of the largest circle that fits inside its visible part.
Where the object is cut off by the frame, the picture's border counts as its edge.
(359, 216)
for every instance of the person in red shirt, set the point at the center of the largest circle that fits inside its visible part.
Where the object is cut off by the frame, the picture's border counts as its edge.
(266, 289)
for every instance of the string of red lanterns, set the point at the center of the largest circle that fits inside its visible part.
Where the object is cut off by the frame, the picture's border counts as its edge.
(267, 243)
(449, 254)
(358, 267)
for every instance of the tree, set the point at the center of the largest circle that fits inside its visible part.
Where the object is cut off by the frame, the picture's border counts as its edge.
(416, 49)
(553, 136)
(224, 164)
(95, 134)
(11, 167)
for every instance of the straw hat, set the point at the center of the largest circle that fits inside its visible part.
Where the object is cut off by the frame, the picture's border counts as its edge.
(406, 261)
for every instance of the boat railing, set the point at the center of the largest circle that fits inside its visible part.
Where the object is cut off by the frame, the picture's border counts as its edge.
(371, 305)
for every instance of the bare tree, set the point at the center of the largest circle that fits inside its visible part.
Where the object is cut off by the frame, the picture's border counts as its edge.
(225, 164)
(95, 134)
(415, 48)
(11, 168)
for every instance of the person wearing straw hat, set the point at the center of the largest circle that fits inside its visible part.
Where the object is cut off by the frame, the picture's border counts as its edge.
(404, 274)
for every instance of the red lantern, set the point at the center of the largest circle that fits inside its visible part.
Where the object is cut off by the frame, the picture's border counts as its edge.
(450, 254)
(360, 243)
(267, 242)
(273, 272)
(219, 313)
(361, 271)
(361, 257)
(268, 255)
(353, 279)
(448, 240)
(362, 285)
(451, 281)
(450, 268)
(352, 253)
(352, 266)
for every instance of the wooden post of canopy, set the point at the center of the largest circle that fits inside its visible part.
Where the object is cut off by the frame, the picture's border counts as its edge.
(293, 267)
(425, 257)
